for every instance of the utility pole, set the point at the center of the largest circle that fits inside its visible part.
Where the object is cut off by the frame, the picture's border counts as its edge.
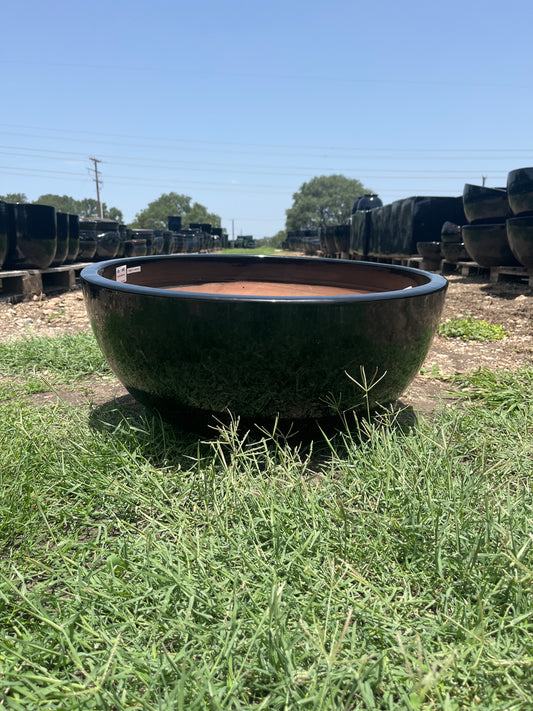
(97, 181)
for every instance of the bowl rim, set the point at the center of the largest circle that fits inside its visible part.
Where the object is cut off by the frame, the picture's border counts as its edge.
(518, 218)
(91, 275)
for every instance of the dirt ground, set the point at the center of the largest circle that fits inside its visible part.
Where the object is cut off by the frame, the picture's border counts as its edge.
(509, 304)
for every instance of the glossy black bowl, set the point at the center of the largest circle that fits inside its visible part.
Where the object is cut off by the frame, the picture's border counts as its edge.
(488, 245)
(520, 191)
(484, 205)
(191, 354)
(32, 236)
(429, 250)
(454, 252)
(520, 236)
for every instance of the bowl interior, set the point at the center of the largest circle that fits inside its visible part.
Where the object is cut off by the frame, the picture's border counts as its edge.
(242, 276)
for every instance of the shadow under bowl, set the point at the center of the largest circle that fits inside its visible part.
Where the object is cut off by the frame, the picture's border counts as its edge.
(485, 205)
(262, 337)
(520, 191)
(520, 236)
(488, 245)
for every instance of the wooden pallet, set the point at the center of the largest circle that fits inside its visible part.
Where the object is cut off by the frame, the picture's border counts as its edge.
(24, 284)
(511, 274)
(496, 274)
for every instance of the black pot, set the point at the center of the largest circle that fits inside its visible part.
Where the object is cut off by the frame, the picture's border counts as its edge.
(429, 250)
(520, 236)
(174, 223)
(32, 236)
(454, 252)
(87, 232)
(3, 231)
(366, 202)
(327, 239)
(520, 191)
(450, 232)
(107, 245)
(135, 248)
(73, 238)
(488, 245)
(483, 205)
(62, 238)
(189, 354)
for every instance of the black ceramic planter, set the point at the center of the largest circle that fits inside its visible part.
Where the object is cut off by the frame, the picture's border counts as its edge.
(62, 238)
(488, 245)
(191, 353)
(107, 245)
(520, 191)
(32, 236)
(135, 248)
(73, 238)
(450, 232)
(429, 250)
(454, 252)
(3, 231)
(483, 205)
(520, 236)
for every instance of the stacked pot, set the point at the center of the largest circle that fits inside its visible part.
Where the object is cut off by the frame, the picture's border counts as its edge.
(520, 225)
(485, 235)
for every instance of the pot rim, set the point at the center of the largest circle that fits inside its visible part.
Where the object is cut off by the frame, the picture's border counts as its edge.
(92, 275)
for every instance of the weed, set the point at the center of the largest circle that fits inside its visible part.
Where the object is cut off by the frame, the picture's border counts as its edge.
(471, 329)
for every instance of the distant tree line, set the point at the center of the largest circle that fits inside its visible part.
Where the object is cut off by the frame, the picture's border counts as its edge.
(154, 216)
(85, 208)
(323, 200)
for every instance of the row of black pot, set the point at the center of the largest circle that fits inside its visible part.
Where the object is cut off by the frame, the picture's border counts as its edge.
(39, 237)
(507, 244)
(484, 205)
(36, 236)
(500, 229)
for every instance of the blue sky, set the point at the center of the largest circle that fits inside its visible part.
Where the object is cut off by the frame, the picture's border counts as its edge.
(238, 103)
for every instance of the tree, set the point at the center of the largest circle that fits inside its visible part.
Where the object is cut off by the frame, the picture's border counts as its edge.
(155, 215)
(324, 200)
(277, 240)
(14, 197)
(84, 208)
(63, 203)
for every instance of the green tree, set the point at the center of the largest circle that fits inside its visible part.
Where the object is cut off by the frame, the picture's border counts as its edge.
(88, 207)
(277, 240)
(84, 208)
(155, 215)
(63, 203)
(323, 200)
(14, 197)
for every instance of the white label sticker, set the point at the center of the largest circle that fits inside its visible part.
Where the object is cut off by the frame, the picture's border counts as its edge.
(133, 270)
(121, 273)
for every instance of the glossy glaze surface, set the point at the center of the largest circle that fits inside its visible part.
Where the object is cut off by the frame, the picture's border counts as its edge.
(32, 236)
(520, 236)
(62, 246)
(73, 238)
(193, 354)
(3, 231)
(485, 205)
(520, 191)
(488, 245)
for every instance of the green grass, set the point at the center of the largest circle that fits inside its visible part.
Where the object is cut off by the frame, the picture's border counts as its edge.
(254, 250)
(471, 329)
(40, 364)
(382, 569)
